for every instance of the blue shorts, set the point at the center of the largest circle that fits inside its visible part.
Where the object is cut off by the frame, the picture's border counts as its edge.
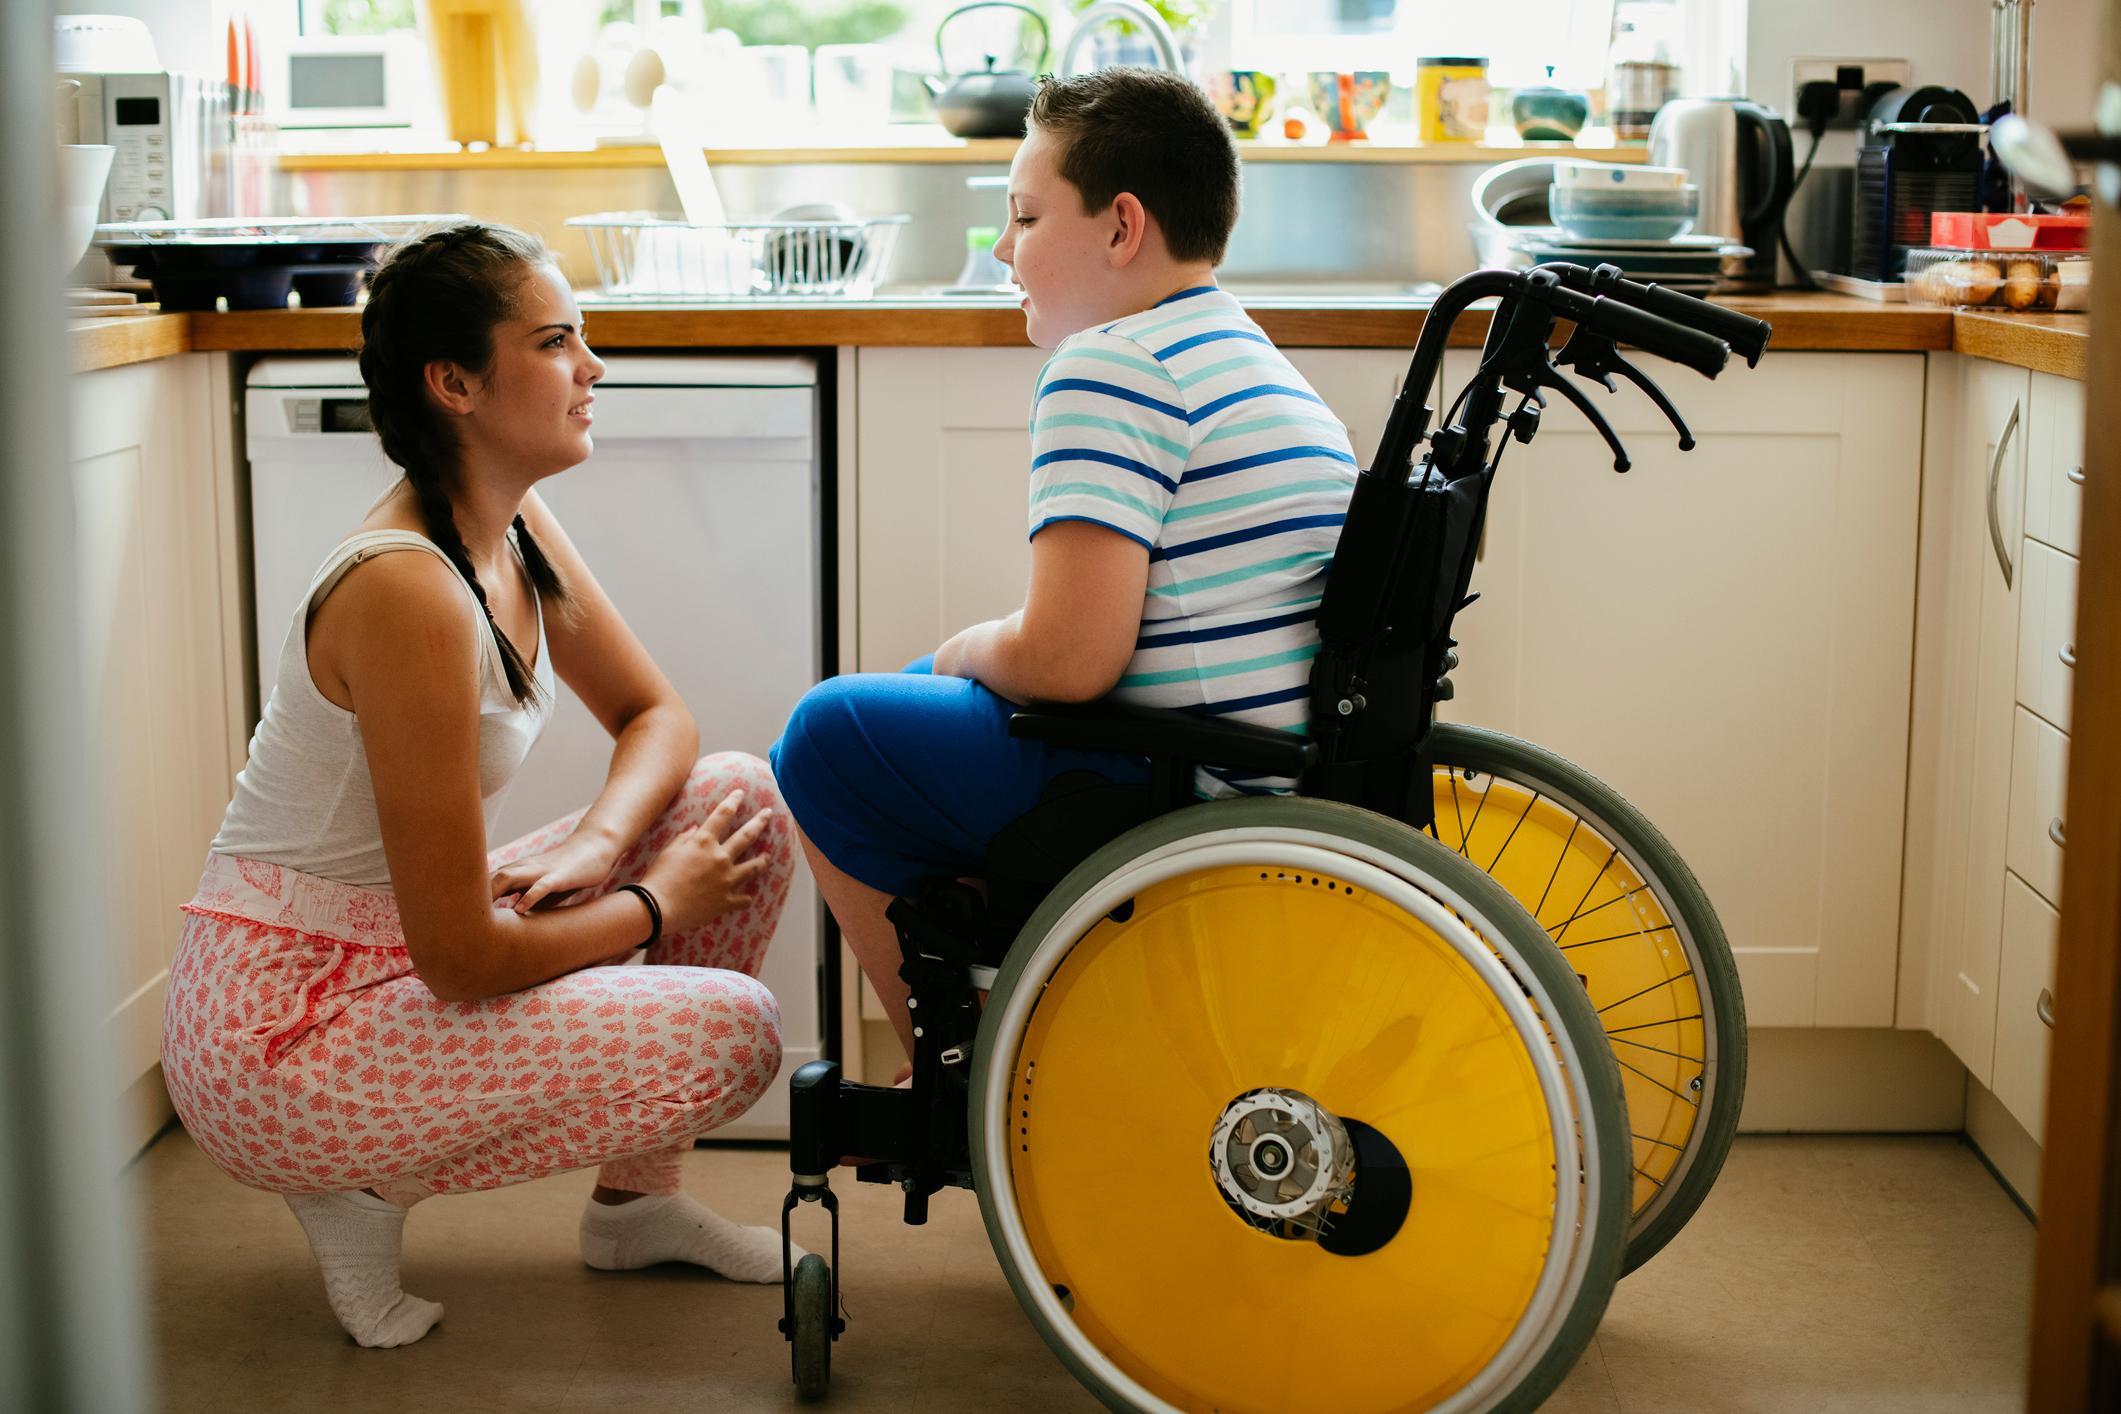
(894, 776)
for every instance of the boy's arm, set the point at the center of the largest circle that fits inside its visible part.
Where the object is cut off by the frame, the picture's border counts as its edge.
(1075, 634)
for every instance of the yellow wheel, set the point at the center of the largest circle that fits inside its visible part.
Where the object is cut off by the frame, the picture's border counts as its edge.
(1626, 912)
(1279, 1105)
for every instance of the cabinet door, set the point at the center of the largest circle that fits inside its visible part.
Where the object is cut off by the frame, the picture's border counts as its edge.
(154, 655)
(1987, 484)
(2025, 1005)
(2054, 488)
(943, 450)
(1723, 635)
(944, 454)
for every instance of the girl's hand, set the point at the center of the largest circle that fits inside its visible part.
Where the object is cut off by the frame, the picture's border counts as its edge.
(707, 870)
(577, 862)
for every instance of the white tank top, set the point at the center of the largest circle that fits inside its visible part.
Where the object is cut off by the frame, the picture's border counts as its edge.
(304, 799)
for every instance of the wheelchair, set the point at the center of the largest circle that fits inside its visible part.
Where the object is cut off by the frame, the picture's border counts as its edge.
(1362, 1096)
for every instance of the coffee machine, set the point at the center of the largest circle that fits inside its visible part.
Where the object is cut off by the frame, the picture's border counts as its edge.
(1921, 153)
(1738, 153)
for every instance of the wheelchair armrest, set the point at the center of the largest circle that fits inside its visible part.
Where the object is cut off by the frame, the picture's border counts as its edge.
(1165, 732)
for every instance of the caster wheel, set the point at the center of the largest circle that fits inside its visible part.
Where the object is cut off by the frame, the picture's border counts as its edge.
(812, 1343)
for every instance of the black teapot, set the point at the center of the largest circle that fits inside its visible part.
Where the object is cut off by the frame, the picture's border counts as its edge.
(989, 102)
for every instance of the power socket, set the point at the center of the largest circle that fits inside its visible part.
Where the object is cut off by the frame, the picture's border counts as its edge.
(1853, 77)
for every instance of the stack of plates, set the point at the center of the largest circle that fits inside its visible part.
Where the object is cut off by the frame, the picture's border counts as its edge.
(1690, 264)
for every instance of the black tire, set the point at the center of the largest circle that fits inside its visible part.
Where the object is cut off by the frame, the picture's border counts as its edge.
(811, 1346)
(1477, 749)
(1502, 922)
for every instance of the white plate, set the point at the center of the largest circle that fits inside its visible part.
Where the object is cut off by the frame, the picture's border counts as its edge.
(1549, 238)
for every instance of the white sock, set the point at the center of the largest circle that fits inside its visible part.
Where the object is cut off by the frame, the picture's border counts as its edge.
(357, 1238)
(677, 1227)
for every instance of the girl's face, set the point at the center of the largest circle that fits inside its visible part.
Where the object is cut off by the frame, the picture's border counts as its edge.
(532, 407)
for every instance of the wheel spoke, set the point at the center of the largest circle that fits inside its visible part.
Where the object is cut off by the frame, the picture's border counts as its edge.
(1616, 937)
(1559, 860)
(1458, 811)
(1661, 1143)
(1675, 977)
(1494, 863)
(1676, 1094)
(1612, 1031)
(1659, 1182)
(1586, 913)
(1589, 889)
(1641, 1046)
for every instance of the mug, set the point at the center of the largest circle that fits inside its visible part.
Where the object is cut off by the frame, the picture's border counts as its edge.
(1349, 102)
(1243, 97)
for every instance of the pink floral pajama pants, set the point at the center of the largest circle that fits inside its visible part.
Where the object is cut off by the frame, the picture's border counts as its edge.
(305, 1055)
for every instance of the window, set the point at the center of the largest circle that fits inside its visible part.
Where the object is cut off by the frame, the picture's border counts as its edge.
(1519, 38)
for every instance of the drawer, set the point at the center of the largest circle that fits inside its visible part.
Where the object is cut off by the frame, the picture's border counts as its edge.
(2047, 630)
(2024, 1004)
(2054, 487)
(2039, 778)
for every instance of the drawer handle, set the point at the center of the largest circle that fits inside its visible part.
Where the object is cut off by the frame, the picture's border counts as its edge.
(1995, 473)
(2075, 474)
(2068, 654)
(2054, 832)
(2044, 1006)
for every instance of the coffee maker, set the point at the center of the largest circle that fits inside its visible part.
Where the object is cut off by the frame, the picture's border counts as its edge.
(1738, 153)
(1921, 153)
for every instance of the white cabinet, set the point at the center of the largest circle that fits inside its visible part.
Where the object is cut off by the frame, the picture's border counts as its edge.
(1994, 674)
(942, 443)
(1724, 636)
(161, 652)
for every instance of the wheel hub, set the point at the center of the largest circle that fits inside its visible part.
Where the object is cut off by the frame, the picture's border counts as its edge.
(1282, 1161)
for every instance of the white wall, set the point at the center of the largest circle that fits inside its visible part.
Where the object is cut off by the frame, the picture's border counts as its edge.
(1947, 41)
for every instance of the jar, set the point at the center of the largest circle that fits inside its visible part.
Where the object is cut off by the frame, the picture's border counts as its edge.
(1643, 75)
(1451, 99)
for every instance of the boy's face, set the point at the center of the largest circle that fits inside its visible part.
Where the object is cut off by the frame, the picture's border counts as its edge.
(1060, 255)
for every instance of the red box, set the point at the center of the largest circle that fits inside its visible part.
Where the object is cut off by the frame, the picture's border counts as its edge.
(1993, 230)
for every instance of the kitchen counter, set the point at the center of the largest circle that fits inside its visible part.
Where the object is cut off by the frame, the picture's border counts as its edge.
(2053, 343)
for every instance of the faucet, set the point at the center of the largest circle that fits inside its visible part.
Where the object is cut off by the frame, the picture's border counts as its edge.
(1133, 10)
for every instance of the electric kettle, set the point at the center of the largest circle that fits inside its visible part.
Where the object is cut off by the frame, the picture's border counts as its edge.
(1738, 153)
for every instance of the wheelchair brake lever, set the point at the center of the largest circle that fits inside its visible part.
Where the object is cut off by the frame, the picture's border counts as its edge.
(1656, 395)
(1581, 400)
(1590, 354)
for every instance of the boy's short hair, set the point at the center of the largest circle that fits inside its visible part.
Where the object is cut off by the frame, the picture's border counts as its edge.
(1154, 134)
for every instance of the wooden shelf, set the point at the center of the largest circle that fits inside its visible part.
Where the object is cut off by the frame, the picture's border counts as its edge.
(942, 150)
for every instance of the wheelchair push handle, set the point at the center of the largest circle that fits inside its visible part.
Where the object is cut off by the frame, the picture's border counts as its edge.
(1747, 336)
(1625, 323)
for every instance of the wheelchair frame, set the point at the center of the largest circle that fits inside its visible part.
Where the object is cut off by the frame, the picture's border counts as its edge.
(1399, 576)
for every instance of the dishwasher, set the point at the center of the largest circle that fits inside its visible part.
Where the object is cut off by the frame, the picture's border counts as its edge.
(699, 513)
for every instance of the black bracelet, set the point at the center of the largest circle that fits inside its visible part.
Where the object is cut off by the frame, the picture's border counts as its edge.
(655, 912)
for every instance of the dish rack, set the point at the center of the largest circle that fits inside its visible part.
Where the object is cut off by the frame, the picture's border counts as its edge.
(642, 256)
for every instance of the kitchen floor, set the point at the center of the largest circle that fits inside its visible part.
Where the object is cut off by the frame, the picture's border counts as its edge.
(1824, 1275)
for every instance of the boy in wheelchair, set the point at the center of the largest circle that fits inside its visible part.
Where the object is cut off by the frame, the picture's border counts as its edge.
(1187, 488)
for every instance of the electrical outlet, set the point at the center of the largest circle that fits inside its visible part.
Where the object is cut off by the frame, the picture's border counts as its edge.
(1853, 77)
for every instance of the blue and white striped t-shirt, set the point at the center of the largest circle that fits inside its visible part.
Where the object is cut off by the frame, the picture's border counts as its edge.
(1183, 427)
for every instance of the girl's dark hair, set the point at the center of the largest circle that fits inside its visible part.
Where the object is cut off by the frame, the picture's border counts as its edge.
(440, 296)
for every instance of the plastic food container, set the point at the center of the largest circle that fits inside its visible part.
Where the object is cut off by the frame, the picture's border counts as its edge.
(1988, 230)
(2030, 280)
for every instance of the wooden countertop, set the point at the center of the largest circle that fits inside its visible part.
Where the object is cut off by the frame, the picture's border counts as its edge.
(2053, 343)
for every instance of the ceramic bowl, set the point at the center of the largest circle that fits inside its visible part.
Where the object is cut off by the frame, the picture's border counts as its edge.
(1617, 175)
